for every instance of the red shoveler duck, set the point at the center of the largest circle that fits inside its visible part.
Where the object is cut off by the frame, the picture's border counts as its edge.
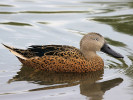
(63, 58)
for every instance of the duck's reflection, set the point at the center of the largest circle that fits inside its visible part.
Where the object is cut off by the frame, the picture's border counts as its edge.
(88, 85)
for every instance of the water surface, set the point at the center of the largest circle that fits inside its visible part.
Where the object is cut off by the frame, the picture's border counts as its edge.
(30, 22)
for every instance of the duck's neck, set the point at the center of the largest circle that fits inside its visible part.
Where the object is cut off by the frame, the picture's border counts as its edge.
(89, 54)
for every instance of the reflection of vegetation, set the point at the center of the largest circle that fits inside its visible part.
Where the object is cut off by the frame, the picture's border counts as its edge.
(130, 4)
(129, 70)
(122, 23)
(130, 57)
(53, 12)
(8, 12)
(117, 65)
(43, 22)
(3, 5)
(16, 24)
(115, 43)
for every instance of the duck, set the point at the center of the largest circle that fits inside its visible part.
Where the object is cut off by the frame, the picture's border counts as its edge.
(64, 58)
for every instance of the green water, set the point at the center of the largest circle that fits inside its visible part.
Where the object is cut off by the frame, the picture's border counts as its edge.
(30, 22)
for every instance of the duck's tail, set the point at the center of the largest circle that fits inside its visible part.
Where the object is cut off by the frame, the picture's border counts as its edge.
(15, 51)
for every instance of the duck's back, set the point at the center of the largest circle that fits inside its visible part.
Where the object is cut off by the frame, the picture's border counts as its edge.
(52, 50)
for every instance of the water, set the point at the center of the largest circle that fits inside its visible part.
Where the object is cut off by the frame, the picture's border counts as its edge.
(28, 22)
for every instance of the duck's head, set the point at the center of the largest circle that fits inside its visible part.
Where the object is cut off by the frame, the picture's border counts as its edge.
(92, 42)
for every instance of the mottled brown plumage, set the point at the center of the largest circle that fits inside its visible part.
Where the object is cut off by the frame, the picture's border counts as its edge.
(62, 58)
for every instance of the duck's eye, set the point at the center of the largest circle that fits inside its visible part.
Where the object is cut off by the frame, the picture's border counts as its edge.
(95, 39)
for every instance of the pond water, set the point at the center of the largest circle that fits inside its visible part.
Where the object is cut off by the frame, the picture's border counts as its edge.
(64, 22)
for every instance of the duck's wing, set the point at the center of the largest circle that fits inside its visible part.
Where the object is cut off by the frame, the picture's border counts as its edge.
(42, 50)
(54, 50)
